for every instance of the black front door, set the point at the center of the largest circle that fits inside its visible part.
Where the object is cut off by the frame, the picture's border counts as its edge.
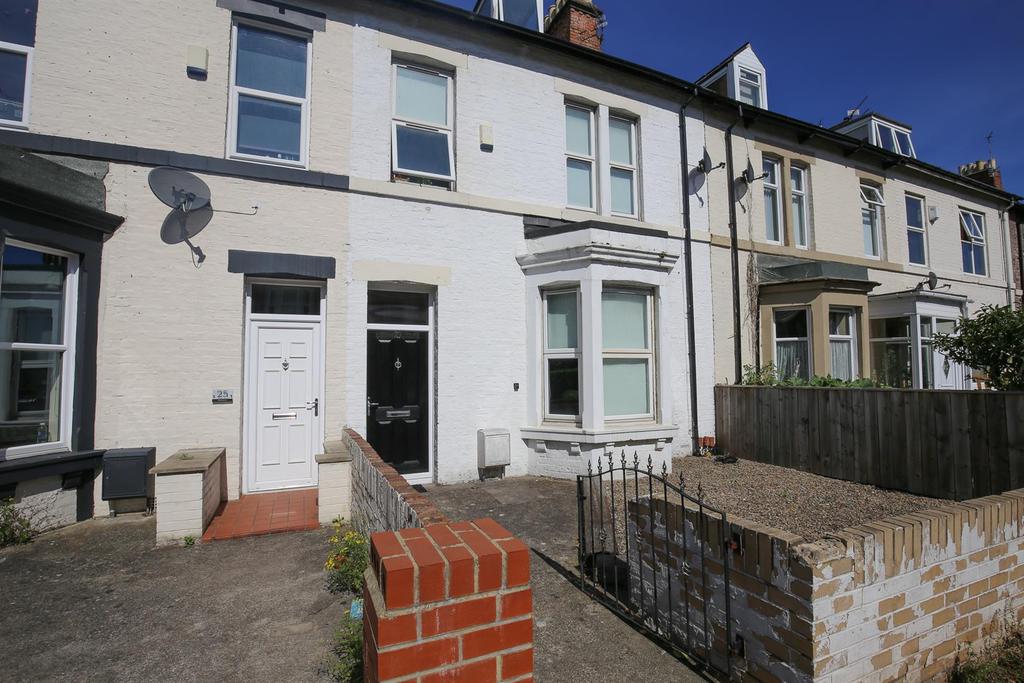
(397, 408)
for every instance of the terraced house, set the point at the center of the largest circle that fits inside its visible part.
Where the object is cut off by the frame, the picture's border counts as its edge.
(471, 236)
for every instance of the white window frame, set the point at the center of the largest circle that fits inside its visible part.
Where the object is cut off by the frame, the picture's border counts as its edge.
(592, 159)
(561, 354)
(756, 82)
(237, 90)
(408, 122)
(634, 169)
(649, 354)
(851, 338)
(66, 348)
(777, 186)
(923, 230)
(28, 51)
(878, 126)
(872, 197)
(808, 339)
(974, 240)
(499, 9)
(801, 196)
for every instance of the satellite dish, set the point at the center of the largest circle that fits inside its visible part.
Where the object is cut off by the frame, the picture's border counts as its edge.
(933, 280)
(748, 173)
(179, 189)
(181, 226)
(705, 163)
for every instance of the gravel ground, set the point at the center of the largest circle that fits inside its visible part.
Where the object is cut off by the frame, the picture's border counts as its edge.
(804, 504)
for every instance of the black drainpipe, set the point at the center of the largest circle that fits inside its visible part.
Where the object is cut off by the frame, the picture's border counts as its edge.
(691, 333)
(734, 248)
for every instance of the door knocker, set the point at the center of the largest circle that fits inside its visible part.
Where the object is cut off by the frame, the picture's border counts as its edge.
(284, 364)
(398, 364)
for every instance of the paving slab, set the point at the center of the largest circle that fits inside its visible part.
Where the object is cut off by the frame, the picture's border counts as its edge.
(98, 601)
(576, 638)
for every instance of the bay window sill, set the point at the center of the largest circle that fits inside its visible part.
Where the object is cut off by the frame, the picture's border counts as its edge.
(609, 434)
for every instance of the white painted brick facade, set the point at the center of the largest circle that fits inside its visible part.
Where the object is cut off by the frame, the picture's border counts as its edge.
(334, 498)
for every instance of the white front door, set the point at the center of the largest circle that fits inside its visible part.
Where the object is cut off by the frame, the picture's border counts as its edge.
(284, 405)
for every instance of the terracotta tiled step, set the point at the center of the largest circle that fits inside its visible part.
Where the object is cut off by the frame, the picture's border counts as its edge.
(264, 513)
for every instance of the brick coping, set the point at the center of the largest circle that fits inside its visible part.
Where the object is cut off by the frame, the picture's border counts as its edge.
(425, 510)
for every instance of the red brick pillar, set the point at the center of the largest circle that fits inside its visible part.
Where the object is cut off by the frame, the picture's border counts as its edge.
(451, 602)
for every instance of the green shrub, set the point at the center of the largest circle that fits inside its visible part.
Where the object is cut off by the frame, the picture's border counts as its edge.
(345, 661)
(766, 376)
(346, 561)
(1001, 657)
(15, 527)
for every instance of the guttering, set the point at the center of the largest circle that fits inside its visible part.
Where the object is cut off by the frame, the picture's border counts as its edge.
(734, 251)
(691, 333)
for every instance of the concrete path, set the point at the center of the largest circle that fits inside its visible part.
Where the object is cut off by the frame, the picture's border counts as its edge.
(98, 602)
(577, 639)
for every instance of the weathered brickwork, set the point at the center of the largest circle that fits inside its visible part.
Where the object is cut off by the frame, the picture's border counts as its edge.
(449, 602)
(382, 500)
(890, 600)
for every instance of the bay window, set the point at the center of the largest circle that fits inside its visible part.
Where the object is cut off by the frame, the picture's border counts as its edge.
(841, 341)
(772, 201)
(972, 242)
(871, 219)
(916, 239)
(17, 43)
(798, 198)
(561, 355)
(580, 158)
(622, 133)
(792, 348)
(270, 76)
(38, 289)
(422, 147)
(627, 334)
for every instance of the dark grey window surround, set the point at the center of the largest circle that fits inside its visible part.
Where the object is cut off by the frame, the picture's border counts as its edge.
(277, 12)
(268, 264)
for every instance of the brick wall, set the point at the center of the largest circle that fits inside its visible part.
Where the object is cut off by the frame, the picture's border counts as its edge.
(887, 600)
(382, 499)
(576, 21)
(449, 602)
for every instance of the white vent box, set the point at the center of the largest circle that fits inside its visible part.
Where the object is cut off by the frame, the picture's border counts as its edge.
(493, 448)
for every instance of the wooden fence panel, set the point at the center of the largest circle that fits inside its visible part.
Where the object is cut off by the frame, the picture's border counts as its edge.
(946, 444)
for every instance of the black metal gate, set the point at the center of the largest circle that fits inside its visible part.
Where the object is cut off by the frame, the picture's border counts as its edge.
(658, 557)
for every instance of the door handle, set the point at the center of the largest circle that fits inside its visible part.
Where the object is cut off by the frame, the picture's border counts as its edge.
(314, 405)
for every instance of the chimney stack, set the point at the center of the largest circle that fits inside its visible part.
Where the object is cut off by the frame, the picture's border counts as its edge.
(985, 171)
(578, 21)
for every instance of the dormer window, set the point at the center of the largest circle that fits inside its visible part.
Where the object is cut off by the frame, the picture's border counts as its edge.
(750, 87)
(525, 13)
(893, 139)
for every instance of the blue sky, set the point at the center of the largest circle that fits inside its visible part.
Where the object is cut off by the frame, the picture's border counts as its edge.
(952, 69)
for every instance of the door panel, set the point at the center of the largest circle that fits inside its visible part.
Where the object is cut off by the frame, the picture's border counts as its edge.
(398, 411)
(287, 426)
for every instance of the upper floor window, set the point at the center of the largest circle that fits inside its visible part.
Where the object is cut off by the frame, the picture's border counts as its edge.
(422, 147)
(561, 355)
(798, 198)
(580, 158)
(622, 133)
(627, 331)
(972, 242)
(525, 13)
(772, 201)
(17, 41)
(871, 219)
(916, 239)
(270, 95)
(749, 87)
(894, 139)
(38, 289)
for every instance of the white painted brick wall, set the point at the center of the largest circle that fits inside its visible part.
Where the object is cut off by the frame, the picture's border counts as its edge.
(45, 503)
(335, 491)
